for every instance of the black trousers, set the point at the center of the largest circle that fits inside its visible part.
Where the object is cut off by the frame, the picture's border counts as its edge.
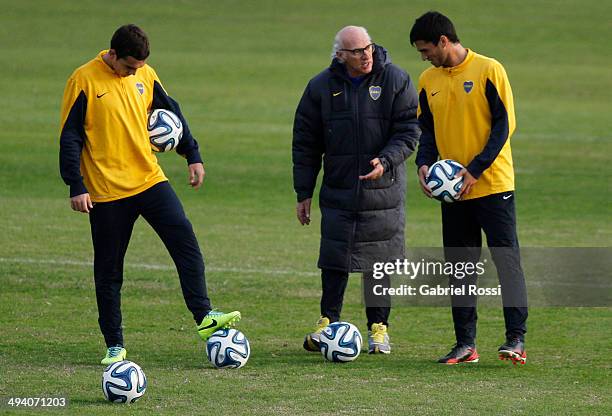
(462, 223)
(111, 228)
(334, 284)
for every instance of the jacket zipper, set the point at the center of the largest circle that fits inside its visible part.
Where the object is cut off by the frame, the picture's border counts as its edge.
(355, 93)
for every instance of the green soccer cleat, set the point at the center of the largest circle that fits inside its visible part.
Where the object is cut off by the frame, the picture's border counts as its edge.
(216, 320)
(114, 355)
(311, 340)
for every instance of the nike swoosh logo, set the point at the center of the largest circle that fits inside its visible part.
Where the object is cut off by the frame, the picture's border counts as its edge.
(101, 95)
(434, 93)
(506, 196)
(335, 94)
(212, 324)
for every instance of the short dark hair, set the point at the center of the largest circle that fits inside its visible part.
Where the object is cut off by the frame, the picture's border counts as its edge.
(130, 40)
(431, 26)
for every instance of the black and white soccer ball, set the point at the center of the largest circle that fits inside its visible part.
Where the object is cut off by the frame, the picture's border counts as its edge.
(123, 382)
(228, 348)
(442, 182)
(340, 342)
(165, 130)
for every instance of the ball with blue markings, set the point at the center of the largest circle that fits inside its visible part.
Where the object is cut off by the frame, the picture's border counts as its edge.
(442, 182)
(165, 130)
(123, 382)
(340, 342)
(228, 348)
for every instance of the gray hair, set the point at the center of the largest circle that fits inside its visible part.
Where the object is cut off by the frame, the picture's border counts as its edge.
(338, 42)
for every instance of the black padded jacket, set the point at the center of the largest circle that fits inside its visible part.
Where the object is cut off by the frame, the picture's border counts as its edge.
(343, 127)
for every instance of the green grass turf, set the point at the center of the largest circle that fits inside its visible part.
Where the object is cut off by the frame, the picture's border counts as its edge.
(238, 69)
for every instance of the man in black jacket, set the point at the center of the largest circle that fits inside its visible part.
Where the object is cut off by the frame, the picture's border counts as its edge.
(359, 117)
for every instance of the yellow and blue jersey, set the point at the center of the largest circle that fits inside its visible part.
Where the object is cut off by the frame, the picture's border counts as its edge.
(466, 113)
(104, 142)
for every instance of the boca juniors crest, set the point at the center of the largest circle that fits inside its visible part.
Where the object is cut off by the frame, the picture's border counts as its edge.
(375, 92)
(468, 85)
(140, 87)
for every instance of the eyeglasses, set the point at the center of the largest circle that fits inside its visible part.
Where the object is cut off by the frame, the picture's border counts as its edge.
(359, 52)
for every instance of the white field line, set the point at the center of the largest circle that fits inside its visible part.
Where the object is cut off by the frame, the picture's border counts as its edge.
(146, 266)
(64, 262)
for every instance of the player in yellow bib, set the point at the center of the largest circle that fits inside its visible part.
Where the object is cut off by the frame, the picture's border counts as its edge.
(113, 175)
(466, 113)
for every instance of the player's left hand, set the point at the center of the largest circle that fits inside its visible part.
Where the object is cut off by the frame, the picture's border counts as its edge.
(375, 173)
(196, 175)
(468, 182)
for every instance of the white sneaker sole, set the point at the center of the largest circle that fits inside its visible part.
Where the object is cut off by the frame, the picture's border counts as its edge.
(511, 355)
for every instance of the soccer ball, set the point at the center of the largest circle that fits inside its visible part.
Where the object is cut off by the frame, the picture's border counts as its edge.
(123, 382)
(340, 342)
(442, 182)
(228, 348)
(165, 130)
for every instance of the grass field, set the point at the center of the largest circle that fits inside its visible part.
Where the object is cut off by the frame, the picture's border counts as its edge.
(238, 69)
